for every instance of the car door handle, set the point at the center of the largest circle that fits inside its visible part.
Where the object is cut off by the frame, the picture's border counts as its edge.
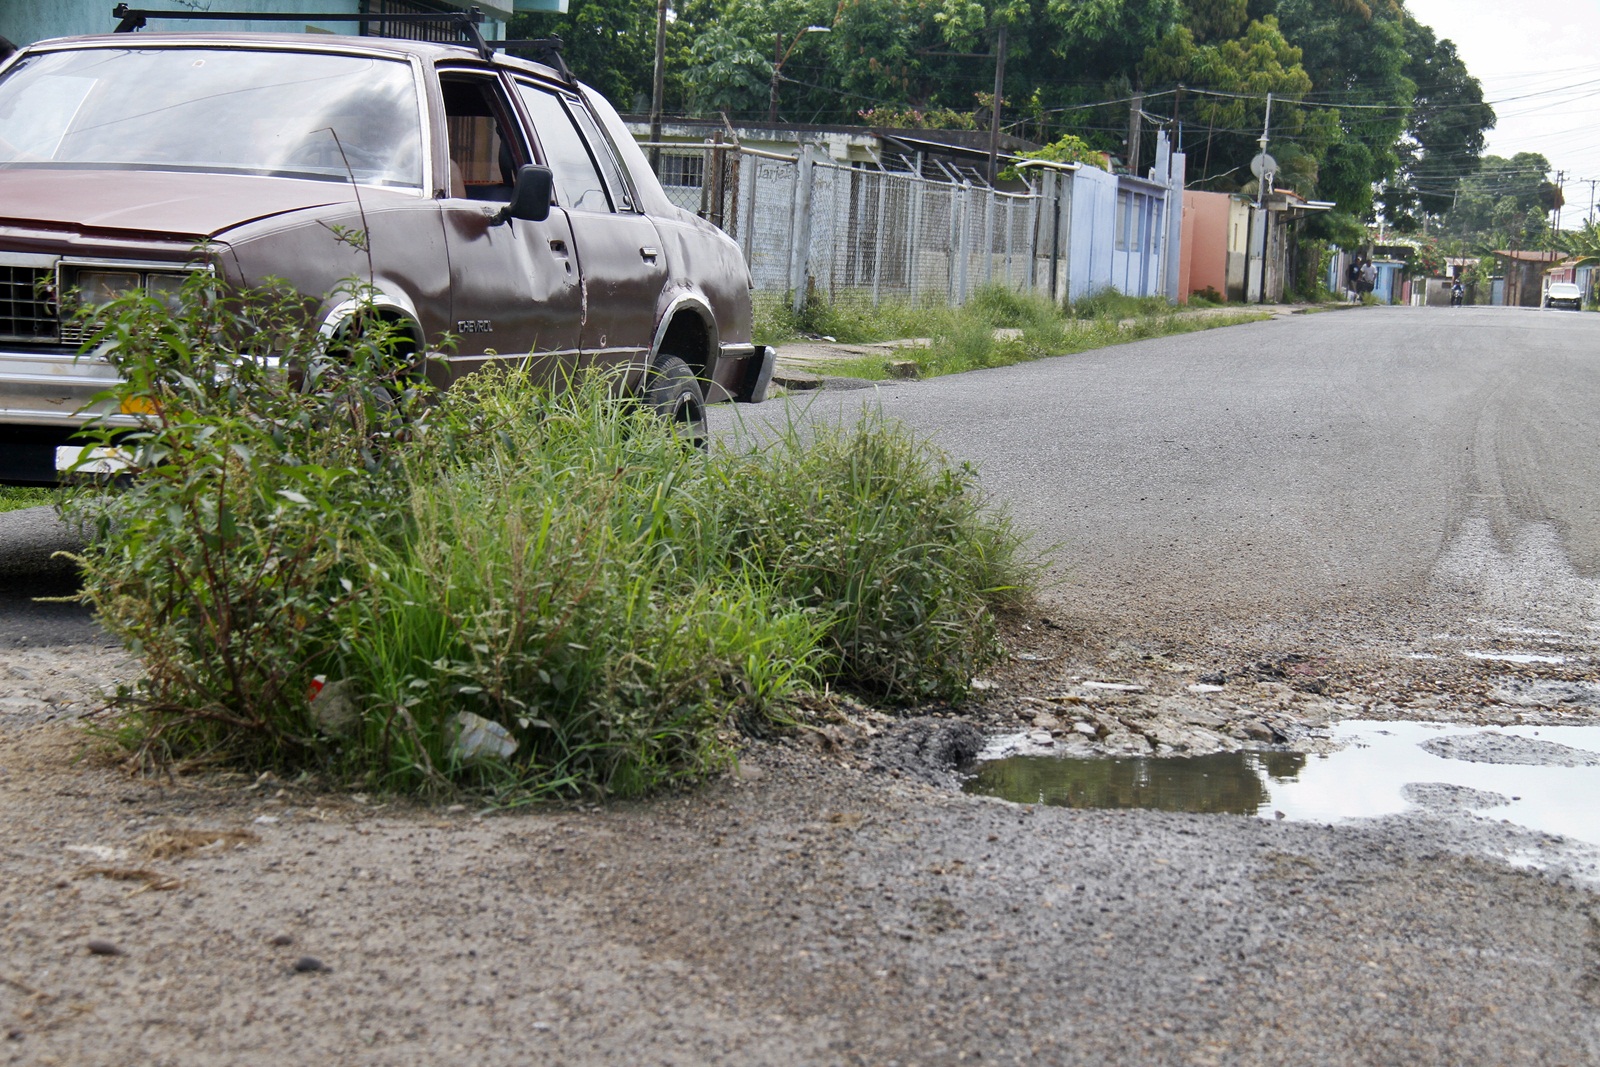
(559, 248)
(649, 254)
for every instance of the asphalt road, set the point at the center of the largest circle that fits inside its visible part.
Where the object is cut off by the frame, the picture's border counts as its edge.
(33, 578)
(1364, 470)
(1336, 462)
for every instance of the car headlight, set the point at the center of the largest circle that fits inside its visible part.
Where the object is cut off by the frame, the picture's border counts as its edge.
(166, 289)
(96, 288)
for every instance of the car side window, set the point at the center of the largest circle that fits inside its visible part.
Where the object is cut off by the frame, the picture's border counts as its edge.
(604, 155)
(577, 178)
(483, 153)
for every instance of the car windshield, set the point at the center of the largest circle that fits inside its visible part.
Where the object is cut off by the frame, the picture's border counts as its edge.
(217, 110)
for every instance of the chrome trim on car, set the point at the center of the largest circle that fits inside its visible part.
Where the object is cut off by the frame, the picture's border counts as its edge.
(52, 388)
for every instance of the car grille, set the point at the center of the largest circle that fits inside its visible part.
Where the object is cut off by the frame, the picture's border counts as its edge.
(26, 313)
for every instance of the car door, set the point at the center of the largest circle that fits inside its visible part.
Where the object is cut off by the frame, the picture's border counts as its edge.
(620, 255)
(515, 285)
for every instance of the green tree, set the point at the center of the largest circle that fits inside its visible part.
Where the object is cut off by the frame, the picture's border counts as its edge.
(1354, 53)
(1108, 37)
(729, 74)
(1444, 133)
(1504, 204)
(1232, 78)
(610, 44)
(1216, 20)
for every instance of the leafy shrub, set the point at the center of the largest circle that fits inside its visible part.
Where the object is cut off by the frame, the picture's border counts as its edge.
(558, 579)
(221, 561)
(507, 586)
(874, 530)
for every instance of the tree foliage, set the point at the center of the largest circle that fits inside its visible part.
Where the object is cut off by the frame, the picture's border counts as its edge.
(1504, 204)
(1370, 109)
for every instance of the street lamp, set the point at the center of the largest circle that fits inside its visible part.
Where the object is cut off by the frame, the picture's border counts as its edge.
(780, 56)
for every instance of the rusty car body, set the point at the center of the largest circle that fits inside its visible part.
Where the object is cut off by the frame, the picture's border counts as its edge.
(501, 203)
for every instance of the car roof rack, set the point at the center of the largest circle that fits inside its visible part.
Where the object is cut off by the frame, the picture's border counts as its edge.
(546, 50)
(466, 22)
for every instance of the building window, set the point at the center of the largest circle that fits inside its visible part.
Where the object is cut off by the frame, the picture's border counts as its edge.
(1124, 206)
(683, 170)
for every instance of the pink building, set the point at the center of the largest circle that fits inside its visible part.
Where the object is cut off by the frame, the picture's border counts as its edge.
(1217, 251)
(1204, 263)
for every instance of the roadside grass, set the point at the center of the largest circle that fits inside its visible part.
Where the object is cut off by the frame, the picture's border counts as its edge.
(507, 589)
(999, 328)
(15, 498)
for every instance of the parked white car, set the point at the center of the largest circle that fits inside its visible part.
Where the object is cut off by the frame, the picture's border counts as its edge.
(1563, 295)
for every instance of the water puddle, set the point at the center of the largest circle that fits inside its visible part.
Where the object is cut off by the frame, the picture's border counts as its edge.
(1543, 778)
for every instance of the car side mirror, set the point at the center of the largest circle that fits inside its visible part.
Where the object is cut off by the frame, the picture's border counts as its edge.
(530, 196)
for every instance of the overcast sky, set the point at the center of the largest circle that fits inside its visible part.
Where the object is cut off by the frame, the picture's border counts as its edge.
(1539, 63)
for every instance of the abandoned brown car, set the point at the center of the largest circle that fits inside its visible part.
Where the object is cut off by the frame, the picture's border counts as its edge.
(502, 201)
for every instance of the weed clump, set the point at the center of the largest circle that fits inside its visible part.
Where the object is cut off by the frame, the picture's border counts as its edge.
(509, 587)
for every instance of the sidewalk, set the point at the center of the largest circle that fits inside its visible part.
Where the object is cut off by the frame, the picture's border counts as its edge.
(799, 361)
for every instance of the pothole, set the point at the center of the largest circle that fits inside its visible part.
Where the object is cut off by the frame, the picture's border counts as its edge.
(1542, 778)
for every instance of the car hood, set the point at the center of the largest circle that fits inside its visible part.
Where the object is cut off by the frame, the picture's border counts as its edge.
(163, 203)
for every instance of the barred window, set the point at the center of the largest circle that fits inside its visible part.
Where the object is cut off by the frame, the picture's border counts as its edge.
(683, 170)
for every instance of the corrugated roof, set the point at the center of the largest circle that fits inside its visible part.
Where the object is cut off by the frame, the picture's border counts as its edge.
(1530, 257)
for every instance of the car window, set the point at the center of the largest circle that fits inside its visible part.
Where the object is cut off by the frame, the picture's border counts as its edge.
(483, 151)
(578, 183)
(604, 155)
(301, 115)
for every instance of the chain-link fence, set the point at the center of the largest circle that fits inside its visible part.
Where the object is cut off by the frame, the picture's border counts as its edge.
(811, 226)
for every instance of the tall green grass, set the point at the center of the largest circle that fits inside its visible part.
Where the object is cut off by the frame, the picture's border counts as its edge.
(14, 498)
(999, 327)
(509, 588)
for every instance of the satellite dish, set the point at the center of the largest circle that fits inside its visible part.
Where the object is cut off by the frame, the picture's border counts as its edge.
(1263, 165)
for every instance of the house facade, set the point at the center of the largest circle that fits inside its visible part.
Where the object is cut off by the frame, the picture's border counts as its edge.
(1525, 275)
(864, 213)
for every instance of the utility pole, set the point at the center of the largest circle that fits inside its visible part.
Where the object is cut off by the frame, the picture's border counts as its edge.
(1256, 255)
(658, 86)
(994, 110)
(1177, 121)
(1135, 120)
(1555, 213)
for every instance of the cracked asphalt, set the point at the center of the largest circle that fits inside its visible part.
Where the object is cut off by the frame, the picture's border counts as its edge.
(1400, 498)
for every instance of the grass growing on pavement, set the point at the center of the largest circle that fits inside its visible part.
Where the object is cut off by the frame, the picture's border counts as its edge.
(505, 588)
(998, 328)
(14, 498)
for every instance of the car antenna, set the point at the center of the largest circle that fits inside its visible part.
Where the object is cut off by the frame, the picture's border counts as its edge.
(466, 22)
